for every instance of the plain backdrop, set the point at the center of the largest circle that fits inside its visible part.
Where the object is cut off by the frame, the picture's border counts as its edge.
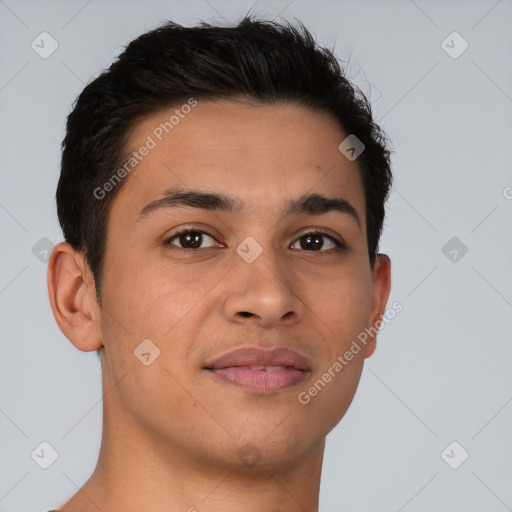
(441, 372)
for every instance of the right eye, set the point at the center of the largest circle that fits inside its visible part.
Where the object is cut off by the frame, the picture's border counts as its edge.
(189, 239)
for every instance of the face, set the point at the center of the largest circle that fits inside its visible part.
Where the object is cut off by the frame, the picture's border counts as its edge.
(250, 272)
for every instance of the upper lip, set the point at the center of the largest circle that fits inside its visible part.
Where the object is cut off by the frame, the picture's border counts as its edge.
(257, 356)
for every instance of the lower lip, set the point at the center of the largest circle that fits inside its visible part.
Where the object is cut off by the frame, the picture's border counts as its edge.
(260, 380)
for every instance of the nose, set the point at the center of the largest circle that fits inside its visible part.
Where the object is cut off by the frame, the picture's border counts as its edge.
(264, 293)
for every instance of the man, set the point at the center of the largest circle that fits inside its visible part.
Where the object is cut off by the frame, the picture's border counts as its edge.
(222, 196)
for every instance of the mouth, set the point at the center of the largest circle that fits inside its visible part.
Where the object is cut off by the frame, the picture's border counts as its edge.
(261, 370)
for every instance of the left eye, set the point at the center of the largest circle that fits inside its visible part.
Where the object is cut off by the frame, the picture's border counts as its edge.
(314, 240)
(311, 241)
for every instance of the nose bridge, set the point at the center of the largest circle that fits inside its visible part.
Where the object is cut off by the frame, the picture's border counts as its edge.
(268, 272)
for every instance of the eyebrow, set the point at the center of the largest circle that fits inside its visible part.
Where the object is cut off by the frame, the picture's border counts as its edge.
(313, 204)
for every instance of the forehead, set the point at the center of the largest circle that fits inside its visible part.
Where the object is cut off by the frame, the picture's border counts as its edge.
(260, 153)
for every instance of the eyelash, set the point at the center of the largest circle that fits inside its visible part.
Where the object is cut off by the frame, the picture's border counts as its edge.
(340, 246)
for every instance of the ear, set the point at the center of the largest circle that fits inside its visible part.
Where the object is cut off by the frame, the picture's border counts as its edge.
(381, 286)
(73, 298)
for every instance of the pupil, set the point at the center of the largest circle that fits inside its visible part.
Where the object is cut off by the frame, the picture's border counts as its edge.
(191, 239)
(318, 242)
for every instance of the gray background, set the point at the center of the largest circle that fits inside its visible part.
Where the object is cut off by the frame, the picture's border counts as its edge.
(441, 372)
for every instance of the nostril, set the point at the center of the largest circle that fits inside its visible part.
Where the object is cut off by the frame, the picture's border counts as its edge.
(245, 313)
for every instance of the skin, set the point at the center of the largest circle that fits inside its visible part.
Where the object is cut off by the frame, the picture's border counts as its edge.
(174, 436)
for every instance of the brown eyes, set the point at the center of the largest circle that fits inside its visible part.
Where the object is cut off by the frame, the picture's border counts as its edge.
(191, 240)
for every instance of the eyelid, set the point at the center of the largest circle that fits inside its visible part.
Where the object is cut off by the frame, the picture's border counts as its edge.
(191, 227)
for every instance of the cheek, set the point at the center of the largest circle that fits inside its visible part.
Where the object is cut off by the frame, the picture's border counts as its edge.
(141, 301)
(154, 297)
(342, 305)
(344, 310)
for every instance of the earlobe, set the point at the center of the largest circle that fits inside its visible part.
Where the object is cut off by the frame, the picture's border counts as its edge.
(381, 286)
(72, 297)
